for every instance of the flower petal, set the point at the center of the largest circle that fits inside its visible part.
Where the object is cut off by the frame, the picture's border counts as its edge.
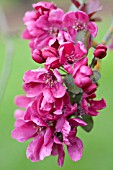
(75, 150)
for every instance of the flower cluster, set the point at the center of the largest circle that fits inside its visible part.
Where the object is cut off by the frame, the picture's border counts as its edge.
(61, 96)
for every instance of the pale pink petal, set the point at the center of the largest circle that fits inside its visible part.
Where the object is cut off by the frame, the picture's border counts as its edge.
(19, 114)
(22, 101)
(77, 122)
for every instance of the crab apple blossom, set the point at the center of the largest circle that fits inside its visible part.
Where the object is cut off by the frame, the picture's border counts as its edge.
(78, 21)
(70, 53)
(91, 106)
(49, 134)
(60, 97)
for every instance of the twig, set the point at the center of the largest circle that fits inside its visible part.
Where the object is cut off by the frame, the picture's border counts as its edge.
(108, 35)
(8, 54)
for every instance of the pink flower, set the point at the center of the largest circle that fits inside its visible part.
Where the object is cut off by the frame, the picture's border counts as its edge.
(78, 21)
(91, 106)
(49, 136)
(48, 29)
(70, 54)
(43, 81)
(42, 8)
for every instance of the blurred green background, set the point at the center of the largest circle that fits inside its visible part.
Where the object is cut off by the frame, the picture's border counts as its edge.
(98, 144)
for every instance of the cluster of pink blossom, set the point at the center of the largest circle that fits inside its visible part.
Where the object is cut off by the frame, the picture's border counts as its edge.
(61, 96)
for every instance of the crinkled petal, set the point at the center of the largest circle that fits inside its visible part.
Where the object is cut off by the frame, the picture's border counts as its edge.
(58, 90)
(55, 17)
(81, 16)
(33, 150)
(69, 19)
(99, 104)
(75, 150)
(24, 132)
(48, 95)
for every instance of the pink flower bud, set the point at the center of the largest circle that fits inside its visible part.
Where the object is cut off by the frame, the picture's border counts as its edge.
(90, 89)
(100, 51)
(37, 56)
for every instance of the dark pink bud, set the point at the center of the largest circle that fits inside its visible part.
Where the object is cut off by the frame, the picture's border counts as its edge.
(100, 51)
(49, 52)
(37, 56)
(90, 89)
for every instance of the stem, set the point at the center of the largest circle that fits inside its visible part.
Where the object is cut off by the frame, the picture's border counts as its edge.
(93, 62)
(8, 54)
(108, 35)
(62, 69)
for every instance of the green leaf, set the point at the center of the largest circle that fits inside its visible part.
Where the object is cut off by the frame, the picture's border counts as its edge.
(89, 120)
(84, 37)
(69, 82)
(96, 75)
(75, 98)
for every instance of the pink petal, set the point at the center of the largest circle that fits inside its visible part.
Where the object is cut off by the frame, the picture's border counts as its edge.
(46, 150)
(43, 23)
(81, 16)
(77, 122)
(58, 90)
(48, 95)
(61, 155)
(99, 104)
(60, 124)
(69, 19)
(33, 150)
(55, 17)
(93, 29)
(24, 132)
(47, 136)
(58, 76)
(22, 101)
(19, 114)
(75, 150)
(33, 89)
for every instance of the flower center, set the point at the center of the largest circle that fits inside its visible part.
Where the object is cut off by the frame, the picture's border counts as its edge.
(53, 31)
(79, 26)
(70, 58)
(49, 79)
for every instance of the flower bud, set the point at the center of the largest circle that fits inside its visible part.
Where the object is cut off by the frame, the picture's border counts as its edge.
(100, 51)
(90, 89)
(37, 56)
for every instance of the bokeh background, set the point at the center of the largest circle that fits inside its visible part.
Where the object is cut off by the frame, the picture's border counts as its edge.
(98, 144)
